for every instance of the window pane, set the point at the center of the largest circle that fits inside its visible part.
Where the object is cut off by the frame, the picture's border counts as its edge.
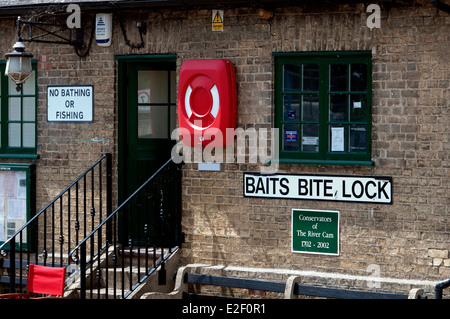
(173, 118)
(29, 87)
(173, 87)
(310, 107)
(338, 77)
(358, 78)
(311, 77)
(29, 135)
(144, 124)
(153, 86)
(14, 110)
(29, 109)
(358, 107)
(338, 107)
(290, 137)
(291, 77)
(358, 141)
(160, 121)
(152, 121)
(14, 135)
(12, 87)
(291, 107)
(310, 137)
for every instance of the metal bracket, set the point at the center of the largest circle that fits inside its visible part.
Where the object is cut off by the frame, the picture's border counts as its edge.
(73, 37)
(44, 27)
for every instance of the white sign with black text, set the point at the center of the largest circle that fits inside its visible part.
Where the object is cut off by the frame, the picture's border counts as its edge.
(364, 189)
(70, 103)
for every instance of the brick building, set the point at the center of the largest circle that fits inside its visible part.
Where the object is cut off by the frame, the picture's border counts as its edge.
(359, 95)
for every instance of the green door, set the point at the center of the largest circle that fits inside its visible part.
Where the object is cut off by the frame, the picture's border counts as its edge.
(147, 116)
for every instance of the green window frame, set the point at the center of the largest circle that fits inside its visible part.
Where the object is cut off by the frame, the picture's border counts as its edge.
(323, 107)
(18, 116)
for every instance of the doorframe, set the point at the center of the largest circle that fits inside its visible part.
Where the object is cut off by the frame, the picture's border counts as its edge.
(122, 62)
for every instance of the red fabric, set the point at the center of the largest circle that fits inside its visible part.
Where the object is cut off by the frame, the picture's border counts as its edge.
(46, 280)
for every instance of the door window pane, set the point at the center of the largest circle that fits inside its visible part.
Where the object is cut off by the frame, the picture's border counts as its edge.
(311, 77)
(160, 121)
(291, 77)
(173, 86)
(173, 118)
(144, 123)
(338, 77)
(153, 121)
(358, 78)
(153, 86)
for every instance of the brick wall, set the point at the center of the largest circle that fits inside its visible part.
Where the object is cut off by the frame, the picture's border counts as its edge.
(410, 131)
(408, 239)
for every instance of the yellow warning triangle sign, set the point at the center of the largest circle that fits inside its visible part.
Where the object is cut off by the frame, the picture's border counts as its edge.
(217, 18)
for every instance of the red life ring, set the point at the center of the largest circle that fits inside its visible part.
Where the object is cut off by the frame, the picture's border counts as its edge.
(202, 101)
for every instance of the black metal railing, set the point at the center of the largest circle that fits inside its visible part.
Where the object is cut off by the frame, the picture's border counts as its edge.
(49, 236)
(145, 229)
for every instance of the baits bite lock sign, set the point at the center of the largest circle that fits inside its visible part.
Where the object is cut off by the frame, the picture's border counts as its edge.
(207, 102)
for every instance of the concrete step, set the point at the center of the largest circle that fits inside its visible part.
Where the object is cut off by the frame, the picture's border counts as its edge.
(145, 257)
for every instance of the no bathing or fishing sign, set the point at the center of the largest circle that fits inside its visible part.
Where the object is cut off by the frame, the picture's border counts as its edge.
(70, 103)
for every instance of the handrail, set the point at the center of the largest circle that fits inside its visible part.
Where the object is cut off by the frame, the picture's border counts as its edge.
(93, 194)
(71, 254)
(155, 208)
(439, 287)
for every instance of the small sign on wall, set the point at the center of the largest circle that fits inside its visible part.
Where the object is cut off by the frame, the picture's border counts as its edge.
(217, 20)
(315, 232)
(70, 103)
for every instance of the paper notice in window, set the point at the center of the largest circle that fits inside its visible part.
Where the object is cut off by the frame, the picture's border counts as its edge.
(17, 209)
(357, 105)
(337, 139)
(21, 185)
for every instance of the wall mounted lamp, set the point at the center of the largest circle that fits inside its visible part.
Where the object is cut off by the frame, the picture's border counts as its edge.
(18, 66)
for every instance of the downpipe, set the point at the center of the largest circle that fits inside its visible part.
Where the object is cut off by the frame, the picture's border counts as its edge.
(439, 287)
